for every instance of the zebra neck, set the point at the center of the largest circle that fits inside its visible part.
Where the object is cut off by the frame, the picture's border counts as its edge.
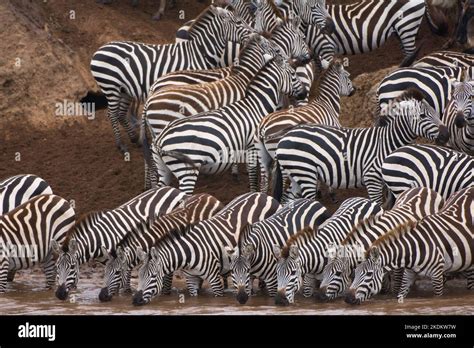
(202, 55)
(329, 93)
(397, 134)
(264, 96)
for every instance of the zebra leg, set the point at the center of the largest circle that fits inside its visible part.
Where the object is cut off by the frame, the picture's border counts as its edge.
(408, 279)
(252, 169)
(157, 16)
(11, 275)
(193, 284)
(167, 281)
(272, 286)
(216, 284)
(397, 278)
(438, 283)
(113, 115)
(126, 277)
(470, 279)
(187, 181)
(374, 184)
(309, 281)
(124, 106)
(385, 284)
(49, 269)
(265, 161)
(4, 265)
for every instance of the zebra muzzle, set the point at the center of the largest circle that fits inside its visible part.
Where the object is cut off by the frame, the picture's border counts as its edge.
(104, 295)
(460, 120)
(443, 135)
(62, 292)
(138, 299)
(329, 27)
(350, 297)
(242, 296)
(321, 294)
(281, 299)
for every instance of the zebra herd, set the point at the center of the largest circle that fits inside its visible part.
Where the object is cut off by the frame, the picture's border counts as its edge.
(234, 89)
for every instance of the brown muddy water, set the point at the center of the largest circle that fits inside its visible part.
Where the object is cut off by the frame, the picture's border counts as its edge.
(27, 295)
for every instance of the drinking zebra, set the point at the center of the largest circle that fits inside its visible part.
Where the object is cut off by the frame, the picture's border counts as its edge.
(96, 232)
(18, 189)
(352, 157)
(436, 84)
(366, 25)
(411, 205)
(459, 117)
(211, 142)
(447, 59)
(124, 258)
(442, 243)
(323, 109)
(305, 254)
(200, 250)
(253, 257)
(27, 232)
(126, 70)
(443, 170)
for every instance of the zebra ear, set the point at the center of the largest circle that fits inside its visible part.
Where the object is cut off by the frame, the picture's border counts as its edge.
(375, 254)
(294, 252)
(277, 251)
(248, 250)
(105, 252)
(154, 253)
(72, 246)
(55, 247)
(141, 254)
(120, 253)
(324, 63)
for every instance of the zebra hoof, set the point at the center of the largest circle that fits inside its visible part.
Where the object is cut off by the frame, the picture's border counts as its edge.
(157, 16)
(104, 295)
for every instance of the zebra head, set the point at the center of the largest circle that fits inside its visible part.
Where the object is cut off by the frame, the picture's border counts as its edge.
(336, 278)
(424, 120)
(287, 81)
(320, 16)
(115, 272)
(291, 40)
(67, 268)
(150, 276)
(344, 83)
(240, 264)
(289, 276)
(367, 280)
(462, 93)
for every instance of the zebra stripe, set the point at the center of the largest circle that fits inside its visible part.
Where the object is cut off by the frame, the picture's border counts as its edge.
(459, 117)
(253, 256)
(27, 232)
(445, 59)
(435, 83)
(212, 141)
(305, 254)
(442, 170)
(437, 244)
(126, 70)
(18, 189)
(323, 109)
(124, 257)
(346, 157)
(103, 230)
(412, 205)
(200, 251)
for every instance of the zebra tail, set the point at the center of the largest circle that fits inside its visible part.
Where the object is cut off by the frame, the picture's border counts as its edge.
(180, 156)
(144, 141)
(277, 182)
(408, 61)
(436, 19)
(97, 98)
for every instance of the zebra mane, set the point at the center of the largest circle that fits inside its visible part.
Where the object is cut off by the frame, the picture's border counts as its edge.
(243, 233)
(84, 219)
(361, 223)
(307, 230)
(393, 233)
(205, 13)
(276, 10)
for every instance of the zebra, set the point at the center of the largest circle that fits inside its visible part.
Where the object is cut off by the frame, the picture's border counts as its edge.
(459, 117)
(126, 70)
(122, 259)
(442, 243)
(253, 258)
(18, 189)
(211, 142)
(323, 109)
(27, 232)
(436, 84)
(96, 231)
(305, 253)
(411, 205)
(447, 59)
(441, 169)
(348, 157)
(366, 25)
(200, 250)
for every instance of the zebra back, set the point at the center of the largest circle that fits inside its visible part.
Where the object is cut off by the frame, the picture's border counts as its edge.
(447, 59)
(18, 189)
